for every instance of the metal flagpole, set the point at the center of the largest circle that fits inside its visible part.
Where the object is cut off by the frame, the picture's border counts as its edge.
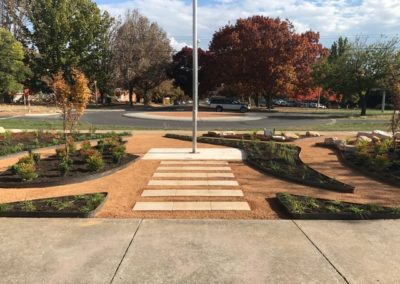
(195, 76)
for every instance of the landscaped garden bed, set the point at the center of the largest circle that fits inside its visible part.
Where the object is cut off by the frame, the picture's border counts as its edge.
(77, 206)
(11, 143)
(281, 160)
(305, 207)
(65, 168)
(376, 159)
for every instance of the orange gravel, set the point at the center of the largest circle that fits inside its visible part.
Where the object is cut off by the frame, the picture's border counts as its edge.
(125, 187)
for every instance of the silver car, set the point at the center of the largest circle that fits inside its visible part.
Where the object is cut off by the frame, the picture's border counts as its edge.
(221, 104)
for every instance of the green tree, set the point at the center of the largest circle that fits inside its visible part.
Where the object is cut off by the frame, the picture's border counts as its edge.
(68, 34)
(13, 72)
(357, 69)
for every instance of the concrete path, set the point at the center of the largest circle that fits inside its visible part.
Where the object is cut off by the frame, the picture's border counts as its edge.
(198, 251)
(207, 180)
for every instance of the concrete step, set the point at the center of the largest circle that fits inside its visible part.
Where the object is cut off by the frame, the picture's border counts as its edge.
(192, 192)
(191, 206)
(192, 168)
(193, 183)
(194, 175)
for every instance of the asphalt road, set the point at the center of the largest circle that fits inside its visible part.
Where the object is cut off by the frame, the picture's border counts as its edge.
(272, 120)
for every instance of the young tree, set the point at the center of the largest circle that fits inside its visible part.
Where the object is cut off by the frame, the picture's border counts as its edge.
(141, 55)
(13, 72)
(264, 56)
(72, 99)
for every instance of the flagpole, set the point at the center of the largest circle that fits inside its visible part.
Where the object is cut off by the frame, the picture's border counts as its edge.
(195, 76)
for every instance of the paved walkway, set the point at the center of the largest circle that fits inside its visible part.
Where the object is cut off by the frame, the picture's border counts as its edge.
(198, 251)
(193, 180)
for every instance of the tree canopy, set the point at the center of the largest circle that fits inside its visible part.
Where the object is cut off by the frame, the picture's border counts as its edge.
(141, 53)
(264, 56)
(13, 72)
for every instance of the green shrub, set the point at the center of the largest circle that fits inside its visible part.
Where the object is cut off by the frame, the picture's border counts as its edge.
(65, 166)
(85, 145)
(28, 206)
(26, 160)
(332, 209)
(118, 153)
(36, 157)
(26, 171)
(60, 152)
(95, 163)
(100, 145)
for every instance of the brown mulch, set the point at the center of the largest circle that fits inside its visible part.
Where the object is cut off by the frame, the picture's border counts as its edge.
(125, 187)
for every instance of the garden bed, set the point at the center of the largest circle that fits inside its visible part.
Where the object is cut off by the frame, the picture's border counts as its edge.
(77, 206)
(389, 175)
(12, 143)
(305, 207)
(65, 168)
(281, 160)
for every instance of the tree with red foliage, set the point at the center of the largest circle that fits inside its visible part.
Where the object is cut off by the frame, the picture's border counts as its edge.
(264, 56)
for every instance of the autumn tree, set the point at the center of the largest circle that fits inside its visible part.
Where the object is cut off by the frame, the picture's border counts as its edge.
(141, 54)
(72, 99)
(264, 56)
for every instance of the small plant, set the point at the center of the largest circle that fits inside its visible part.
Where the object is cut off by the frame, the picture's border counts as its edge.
(311, 203)
(36, 157)
(85, 145)
(71, 144)
(55, 141)
(118, 153)
(64, 205)
(27, 172)
(61, 152)
(356, 210)
(50, 202)
(95, 163)
(100, 145)
(375, 208)
(4, 207)
(65, 166)
(396, 210)
(28, 206)
(332, 209)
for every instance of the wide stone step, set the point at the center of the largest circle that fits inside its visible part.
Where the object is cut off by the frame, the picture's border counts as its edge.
(194, 163)
(191, 206)
(199, 168)
(192, 192)
(224, 154)
(193, 183)
(194, 175)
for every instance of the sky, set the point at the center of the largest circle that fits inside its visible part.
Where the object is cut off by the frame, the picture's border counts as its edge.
(331, 18)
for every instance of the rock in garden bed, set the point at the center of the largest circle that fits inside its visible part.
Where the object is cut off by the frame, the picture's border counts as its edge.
(281, 160)
(77, 206)
(305, 207)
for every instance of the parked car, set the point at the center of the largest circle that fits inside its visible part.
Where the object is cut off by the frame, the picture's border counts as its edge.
(221, 104)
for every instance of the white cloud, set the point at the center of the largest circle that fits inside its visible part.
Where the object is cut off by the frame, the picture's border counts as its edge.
(330, 17)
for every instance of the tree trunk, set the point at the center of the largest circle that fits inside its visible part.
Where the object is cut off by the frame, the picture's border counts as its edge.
(363, 103)
(147, 97)
(257, 100)
(268, 100)
(131, 96)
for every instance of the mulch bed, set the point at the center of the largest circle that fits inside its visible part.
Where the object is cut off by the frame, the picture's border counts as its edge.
(49, 173)
(304, 207)
(78, 206)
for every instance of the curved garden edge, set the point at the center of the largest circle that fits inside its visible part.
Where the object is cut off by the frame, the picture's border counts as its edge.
(71, 180)
(364, 172)
(340, 186)
(47, 214)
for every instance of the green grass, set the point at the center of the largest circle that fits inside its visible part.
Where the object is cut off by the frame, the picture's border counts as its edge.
(342, 126)
(15, 123)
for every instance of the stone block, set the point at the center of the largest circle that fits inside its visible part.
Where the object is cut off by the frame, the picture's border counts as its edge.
(313, 134)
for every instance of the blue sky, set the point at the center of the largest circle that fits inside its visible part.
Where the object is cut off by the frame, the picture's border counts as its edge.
(332, 18)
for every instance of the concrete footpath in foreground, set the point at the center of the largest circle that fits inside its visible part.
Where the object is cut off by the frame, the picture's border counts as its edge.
(198, 251)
